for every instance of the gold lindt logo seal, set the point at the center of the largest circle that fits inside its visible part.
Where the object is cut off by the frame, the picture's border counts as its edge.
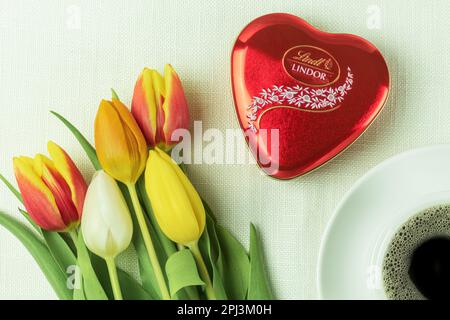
(311, 66)
(305, 57)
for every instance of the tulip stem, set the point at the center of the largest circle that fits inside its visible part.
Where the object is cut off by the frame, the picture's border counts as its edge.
(210, 294)
(148, 242)
(74, 235)
(112, 270)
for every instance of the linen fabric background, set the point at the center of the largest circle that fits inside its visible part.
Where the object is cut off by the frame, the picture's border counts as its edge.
(66, 55)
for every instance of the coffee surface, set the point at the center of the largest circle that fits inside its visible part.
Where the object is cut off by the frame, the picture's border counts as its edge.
(417, 262)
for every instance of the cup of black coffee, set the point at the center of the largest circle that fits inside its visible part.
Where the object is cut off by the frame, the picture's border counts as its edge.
(416, 264)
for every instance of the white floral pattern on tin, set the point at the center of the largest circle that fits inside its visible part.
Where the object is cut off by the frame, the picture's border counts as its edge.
(302, 97)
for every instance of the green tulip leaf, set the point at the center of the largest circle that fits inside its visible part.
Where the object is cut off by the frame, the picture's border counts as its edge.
(236, 265)
(218, 286)
(258, 288)
(101, 270)
(11, 188)
(78, 294)
(69, 241)
(87, 147)
(19, 197)
(92, 286)
(58, 246)
(210, 247)
(41, 254)
(30, 221)
(209, 211)
(131, 289)
(182, 271)
(114, 94)
(60, 250)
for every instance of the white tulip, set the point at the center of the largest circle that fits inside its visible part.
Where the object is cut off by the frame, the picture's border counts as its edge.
(106, 222)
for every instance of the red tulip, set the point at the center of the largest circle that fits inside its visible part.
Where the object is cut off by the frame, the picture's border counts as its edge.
(53, 190)
(159, 106)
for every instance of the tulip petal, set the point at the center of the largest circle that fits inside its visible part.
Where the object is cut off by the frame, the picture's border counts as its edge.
(59, 189)
(176, 111)
(143, 106)
(117, 216)
(120, 145)
(107, 226)
(111, 142)
(67, 168)
(160, 94)
(194, 197)
(37, 197)
(159, 88)
(170, 202)
(137, 146)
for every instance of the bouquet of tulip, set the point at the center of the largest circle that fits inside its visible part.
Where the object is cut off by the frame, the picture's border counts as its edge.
(137, 196)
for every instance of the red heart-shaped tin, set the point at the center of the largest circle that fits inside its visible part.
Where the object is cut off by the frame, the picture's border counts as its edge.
(318, 90)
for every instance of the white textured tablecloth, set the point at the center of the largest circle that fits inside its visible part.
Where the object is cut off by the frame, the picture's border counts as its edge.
(65, 55)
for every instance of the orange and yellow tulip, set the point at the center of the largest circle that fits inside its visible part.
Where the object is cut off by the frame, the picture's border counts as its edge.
(159, 106)
(53, 190)
(120, 144)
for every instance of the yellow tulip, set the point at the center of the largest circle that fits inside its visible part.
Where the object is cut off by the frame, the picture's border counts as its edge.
(176, 204)
(177, 207)
(120, 144)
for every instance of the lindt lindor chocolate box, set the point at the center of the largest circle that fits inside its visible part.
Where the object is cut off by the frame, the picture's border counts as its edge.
(302, 95)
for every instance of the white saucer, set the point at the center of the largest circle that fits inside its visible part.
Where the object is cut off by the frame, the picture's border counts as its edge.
(363, 224)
